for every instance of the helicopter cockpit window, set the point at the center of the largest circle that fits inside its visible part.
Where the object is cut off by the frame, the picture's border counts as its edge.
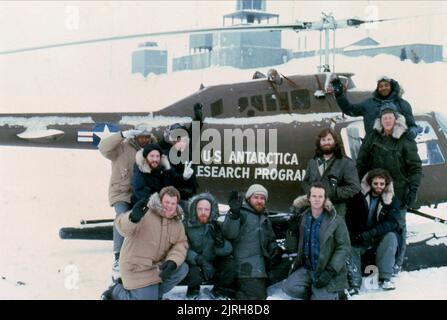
(216, 108)
(300, 99)
(256, 102)
(243, 104)
(270, 100)
(428, 145)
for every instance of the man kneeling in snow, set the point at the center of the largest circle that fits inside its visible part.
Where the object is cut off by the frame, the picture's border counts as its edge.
(154, 248)
(319, 270)
(209, 254)
(374, 228)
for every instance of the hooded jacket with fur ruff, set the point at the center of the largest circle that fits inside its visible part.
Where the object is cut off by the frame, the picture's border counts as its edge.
(148, 243)
(370, 108)
(334, 242)
(396, 154)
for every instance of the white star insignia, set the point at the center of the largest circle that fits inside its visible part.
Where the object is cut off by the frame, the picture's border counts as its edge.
(104, 133)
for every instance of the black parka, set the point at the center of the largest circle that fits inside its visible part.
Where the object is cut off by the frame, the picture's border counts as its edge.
(396, 154)
(370, 108)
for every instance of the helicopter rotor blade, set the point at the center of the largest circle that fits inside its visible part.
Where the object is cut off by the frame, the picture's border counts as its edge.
(294, 26)
(327, 22)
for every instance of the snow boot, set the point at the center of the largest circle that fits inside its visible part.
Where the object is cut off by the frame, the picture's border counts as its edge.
(193, 292)
(107, 295)
(387, 285)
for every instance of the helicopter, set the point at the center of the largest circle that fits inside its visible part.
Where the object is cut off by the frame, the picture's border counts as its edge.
(290, 110)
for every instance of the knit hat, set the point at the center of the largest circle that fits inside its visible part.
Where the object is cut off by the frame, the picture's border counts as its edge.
(148, 148)
(256, 189)
(388, 107)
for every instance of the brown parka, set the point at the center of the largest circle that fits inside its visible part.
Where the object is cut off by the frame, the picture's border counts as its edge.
(148, 243)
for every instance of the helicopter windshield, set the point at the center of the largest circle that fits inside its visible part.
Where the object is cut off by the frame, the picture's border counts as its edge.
(442, 121)
(428, 145)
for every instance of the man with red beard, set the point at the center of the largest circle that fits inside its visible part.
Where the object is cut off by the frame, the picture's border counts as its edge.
(335, 171)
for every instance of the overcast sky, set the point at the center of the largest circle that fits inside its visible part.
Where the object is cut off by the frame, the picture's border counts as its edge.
(36, 23)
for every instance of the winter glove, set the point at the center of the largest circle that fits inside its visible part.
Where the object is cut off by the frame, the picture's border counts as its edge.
(130, 133)
(164, 161)
(188, 172)
(216, 233)
(198, 112)
(338, 87)
(208, 270)
(357, 240)
(413, 132)
(139, 210)
(277, 256)
(199, 259)
(325, 277)
(366, 236)
(167, 268)
(410, 199)
(235, 203)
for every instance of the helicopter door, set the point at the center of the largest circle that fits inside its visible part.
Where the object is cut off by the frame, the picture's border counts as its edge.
(428, 145)
(352, 137)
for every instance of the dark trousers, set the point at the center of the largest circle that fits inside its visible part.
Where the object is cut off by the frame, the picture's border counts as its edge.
(251, 289)
(223, 278)
(385, 254)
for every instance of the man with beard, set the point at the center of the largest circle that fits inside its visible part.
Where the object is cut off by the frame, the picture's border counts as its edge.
(120, 148)
(374, 228)
(388, 148)
(255, 249)
(151, 173)
(335, 171)
(387, 91)
(209, 254)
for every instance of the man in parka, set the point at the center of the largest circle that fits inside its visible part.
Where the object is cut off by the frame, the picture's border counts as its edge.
(121, 148)
(374, 228)
(255, 249)
(387, 91)
(154, 250)
(176, 143)
(334, 170)
(388, 148)
(209, 254)
(319, 270)
(151, 173)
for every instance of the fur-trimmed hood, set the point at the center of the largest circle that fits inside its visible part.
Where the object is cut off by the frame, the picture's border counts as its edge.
(154, 205)
(387, 194)
(301, 203)
(396, 92)
(141, 162)
(399, 128)
(192, 216)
